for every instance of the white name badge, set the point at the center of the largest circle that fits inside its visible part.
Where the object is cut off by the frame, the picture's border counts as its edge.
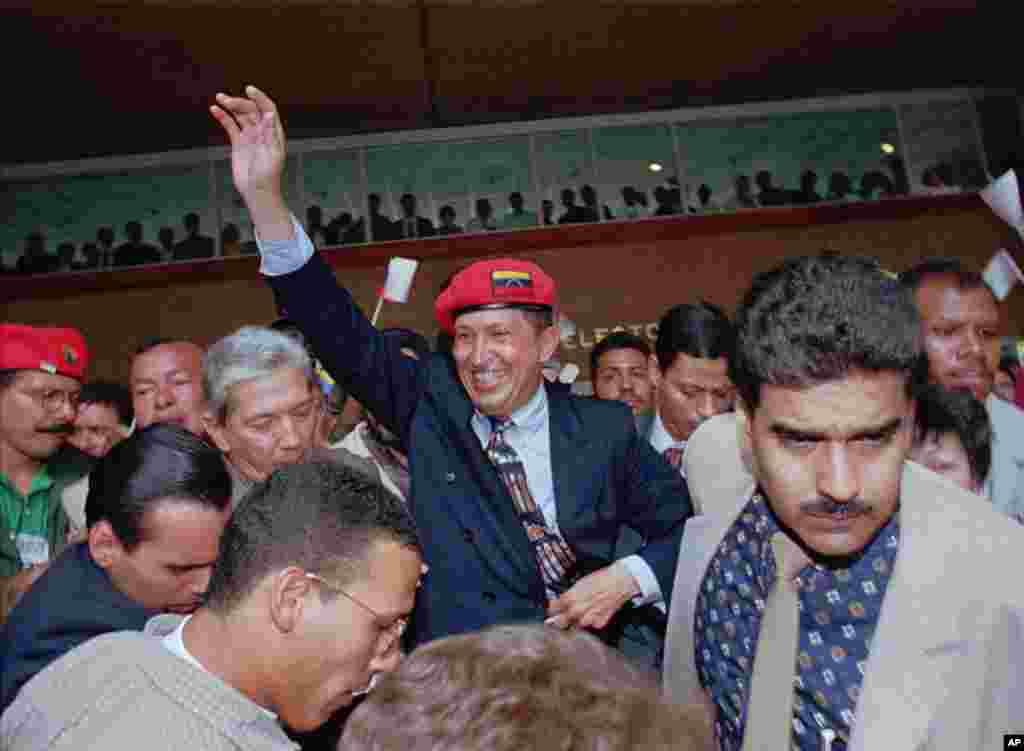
(32, 549)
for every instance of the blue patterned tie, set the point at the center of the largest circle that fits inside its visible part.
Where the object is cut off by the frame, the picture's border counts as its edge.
(554, 556)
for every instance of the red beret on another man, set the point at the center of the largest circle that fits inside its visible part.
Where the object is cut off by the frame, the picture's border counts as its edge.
(58, 351)
(497, 283)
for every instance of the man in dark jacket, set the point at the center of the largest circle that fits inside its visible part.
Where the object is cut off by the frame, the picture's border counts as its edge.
(156, 508)
(519, 490)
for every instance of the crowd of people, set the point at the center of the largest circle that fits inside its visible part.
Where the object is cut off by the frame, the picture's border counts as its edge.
(581, 205)
(791, 528)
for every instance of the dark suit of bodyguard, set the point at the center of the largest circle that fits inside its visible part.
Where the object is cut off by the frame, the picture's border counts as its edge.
(589, 472)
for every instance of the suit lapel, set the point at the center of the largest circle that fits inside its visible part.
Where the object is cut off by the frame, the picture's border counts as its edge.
(916, 643)
(701, 538)
(493, 519)
(568, 457)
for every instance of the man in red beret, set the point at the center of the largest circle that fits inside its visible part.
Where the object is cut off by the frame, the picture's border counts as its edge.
(519, 490)
(40, 377)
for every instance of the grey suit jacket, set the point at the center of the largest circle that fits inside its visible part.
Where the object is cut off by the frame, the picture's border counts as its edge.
(1005, 483)
(946, 670)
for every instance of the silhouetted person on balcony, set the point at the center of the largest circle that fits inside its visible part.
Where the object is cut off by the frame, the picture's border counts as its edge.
(135, 252)
(448, 225)
(808, 185)
(703, 204)
(315, 225)
(591, 212)
(337, 228)
(484, 219)
(900, 180)
(35, 259)
(665, 204)
(574, 213)
(410, 225)
(230, 241)
(876, 184)
(194, 245)
(839, 187)
(631, 208)
(547, 210)
(518, 216)
(105, 245)
(381, 228)
(166, 239)
(91, 255)
(768, 194)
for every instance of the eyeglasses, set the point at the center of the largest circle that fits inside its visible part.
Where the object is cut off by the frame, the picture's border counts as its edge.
(53, 399)
(389, 635)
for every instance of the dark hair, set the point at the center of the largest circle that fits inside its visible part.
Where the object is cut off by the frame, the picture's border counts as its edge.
(617, 340)
(941, 410)
(700, 330)
(918, 274)
(408, 339)
(321, 515)
(157, 341)
(112, 395)
(191, 220)
(158, 462)
(815, 319)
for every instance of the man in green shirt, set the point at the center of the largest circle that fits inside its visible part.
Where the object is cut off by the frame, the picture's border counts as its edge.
(40, 377)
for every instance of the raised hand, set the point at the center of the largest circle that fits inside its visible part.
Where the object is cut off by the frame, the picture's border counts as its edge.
(257, 158)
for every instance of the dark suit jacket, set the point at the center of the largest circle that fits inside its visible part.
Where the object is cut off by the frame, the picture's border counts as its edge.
(424, 228)
(69, 604)
(482, 567)
(134, 255)
(197, 246)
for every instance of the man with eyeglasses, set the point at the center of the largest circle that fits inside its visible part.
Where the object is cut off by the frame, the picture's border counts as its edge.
(41, 370)
(317, 576)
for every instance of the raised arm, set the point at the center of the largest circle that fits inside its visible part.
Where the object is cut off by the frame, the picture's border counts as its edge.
(353, 351)
(258, 153)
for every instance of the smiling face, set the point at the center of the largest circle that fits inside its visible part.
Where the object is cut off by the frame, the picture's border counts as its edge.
(829, 457)
(167, 386)
(961, 334)
(499, 355)
(271, 421)
(339, 643)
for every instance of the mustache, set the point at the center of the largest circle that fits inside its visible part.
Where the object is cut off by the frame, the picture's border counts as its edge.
(829, 507)
(62, 427)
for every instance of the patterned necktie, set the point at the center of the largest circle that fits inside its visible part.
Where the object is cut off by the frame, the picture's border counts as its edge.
(554, 556)
(674, 456)
(769, 723)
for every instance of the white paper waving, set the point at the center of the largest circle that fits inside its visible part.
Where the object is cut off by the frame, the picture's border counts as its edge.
(1003, 197)
(1001, 274)
(399, 281)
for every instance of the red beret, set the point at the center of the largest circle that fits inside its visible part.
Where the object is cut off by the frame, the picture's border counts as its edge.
(52, 350)
(497, 283)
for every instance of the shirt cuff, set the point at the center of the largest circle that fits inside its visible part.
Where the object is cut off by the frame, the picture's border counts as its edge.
(280, 257)
(650, 590)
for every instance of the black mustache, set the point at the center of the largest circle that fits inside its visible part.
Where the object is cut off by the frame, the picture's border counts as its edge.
(64, 427)
(830, 507)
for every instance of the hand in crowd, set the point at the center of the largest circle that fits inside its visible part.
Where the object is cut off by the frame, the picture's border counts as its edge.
(593, 600)
(257, 158)
(21, 583)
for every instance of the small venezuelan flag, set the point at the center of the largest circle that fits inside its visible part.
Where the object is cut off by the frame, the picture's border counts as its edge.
(511, 280)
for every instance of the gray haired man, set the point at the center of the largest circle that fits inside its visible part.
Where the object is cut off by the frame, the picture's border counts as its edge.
(263, 404)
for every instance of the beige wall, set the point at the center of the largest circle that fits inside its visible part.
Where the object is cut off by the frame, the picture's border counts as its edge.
(609, 275)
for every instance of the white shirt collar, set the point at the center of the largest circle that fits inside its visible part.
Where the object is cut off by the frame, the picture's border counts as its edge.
(661, 439)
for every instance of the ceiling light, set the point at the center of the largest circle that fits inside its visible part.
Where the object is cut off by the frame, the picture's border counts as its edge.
(888, 148)
(655, 167)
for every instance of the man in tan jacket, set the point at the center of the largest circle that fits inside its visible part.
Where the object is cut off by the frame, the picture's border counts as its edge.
(910, 627)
